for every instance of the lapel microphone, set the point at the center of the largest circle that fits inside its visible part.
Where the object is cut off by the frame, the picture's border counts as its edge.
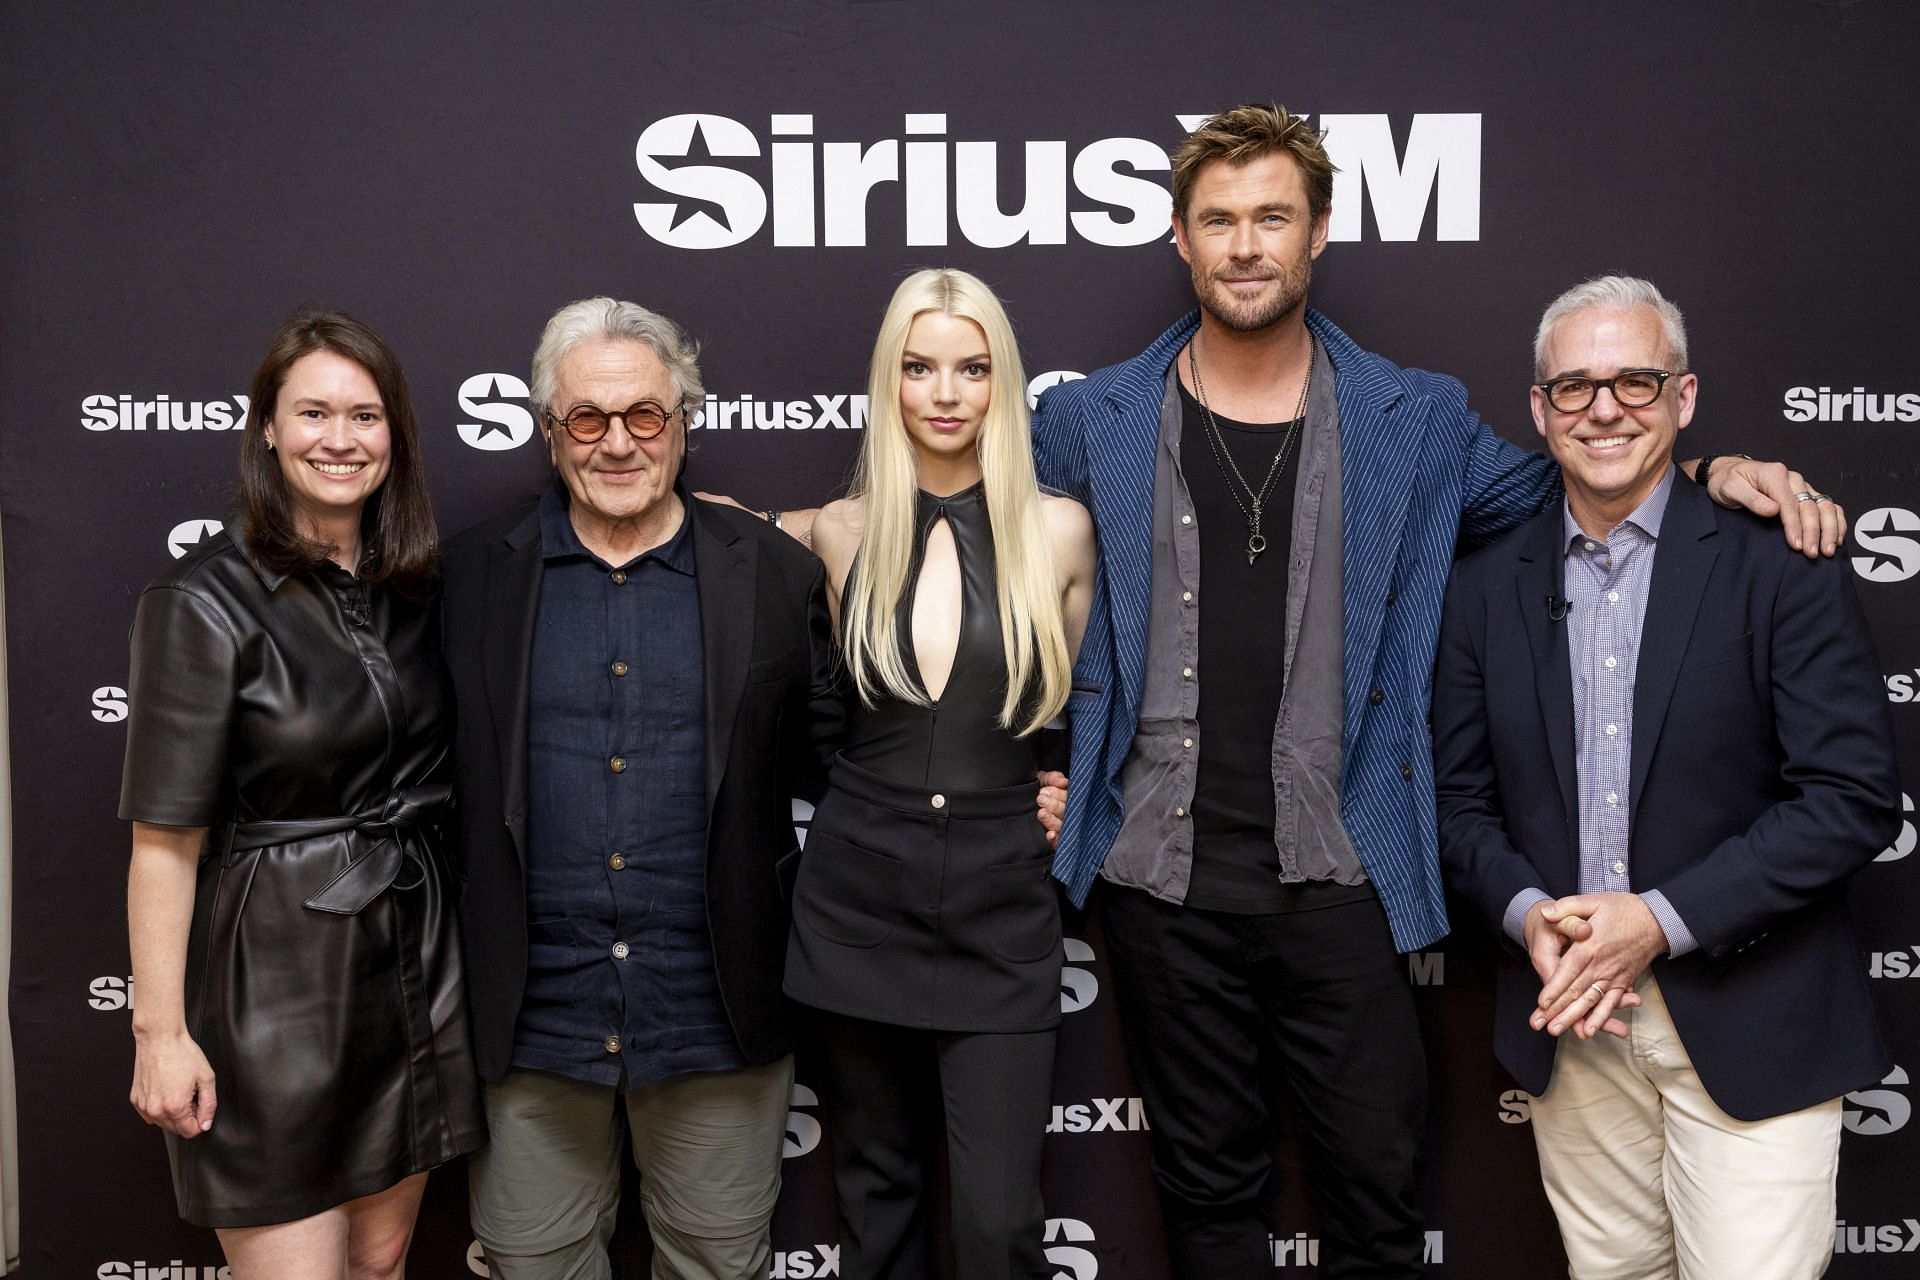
(1557, 609)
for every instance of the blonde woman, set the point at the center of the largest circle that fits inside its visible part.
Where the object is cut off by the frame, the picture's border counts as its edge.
(926, 929)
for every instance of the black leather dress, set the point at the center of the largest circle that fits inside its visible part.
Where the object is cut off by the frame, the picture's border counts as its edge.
(305, 721)
(925, 896)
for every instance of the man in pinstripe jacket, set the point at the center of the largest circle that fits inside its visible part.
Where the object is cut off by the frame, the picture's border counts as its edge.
(1266, 836)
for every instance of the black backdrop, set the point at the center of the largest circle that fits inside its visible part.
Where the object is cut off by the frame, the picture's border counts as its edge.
(178, 177)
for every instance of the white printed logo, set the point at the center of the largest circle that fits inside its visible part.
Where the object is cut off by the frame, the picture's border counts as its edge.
(1099, 1115)
(1047, 382)
(124, 413)
(1902, 1237)
(806, 1264)
(109, 704)
(477, 1259)
(1516, 1106)
(1872, 1112)
(189, 534)
(1885, 534)
(1078, 987)
(802, 821)
(803, 1128)
(1894, 964)
(1904, 842)
(174, 1270)
(1806, 404)
(109, 993)
(1302, 1250)
(1900, 686)
(843, 412)
(816, 193)
(503, 424)
(1427, 968)
(1064, 1238)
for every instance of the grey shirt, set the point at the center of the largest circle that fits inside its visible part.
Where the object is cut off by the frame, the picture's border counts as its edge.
(1154, 850)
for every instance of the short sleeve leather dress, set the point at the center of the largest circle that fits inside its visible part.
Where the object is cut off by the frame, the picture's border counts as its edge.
(305, 721)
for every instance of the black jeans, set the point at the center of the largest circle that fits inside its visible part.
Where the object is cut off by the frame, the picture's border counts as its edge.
(1204, 996)
(880, 1085)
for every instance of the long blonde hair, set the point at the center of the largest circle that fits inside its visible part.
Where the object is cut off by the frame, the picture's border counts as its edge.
(1032, 632)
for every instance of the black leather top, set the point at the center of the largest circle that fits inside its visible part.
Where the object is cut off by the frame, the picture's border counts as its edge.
(956, 742)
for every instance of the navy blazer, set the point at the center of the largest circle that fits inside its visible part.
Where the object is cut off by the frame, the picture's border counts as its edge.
(1762, 776)
(1419, 472)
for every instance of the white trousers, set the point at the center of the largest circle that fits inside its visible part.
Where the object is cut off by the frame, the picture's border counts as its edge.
(1651, 1181)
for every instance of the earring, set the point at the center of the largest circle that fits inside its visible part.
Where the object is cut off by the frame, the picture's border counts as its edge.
(269, 444)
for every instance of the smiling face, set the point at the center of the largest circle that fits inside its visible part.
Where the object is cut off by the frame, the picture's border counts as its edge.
(1249, 241)
(329, 432)
(946, 384)
(615, 479)
(1611, 458)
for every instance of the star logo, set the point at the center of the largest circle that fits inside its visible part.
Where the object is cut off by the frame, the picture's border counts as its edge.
(1892, 553)
(189, 534)
(491, 398)
(1046, 381)
(714, 206)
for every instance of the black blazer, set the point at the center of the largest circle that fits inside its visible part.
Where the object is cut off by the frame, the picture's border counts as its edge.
(1762, 776)
(772, 718)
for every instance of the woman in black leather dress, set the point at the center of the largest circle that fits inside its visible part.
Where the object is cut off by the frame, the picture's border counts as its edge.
(300, 1034)
(926, 928)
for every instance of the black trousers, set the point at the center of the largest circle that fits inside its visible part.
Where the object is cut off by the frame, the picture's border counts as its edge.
(1205, 997)
(882, 1084)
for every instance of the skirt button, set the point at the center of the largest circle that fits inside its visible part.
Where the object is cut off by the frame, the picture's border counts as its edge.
(939, 801)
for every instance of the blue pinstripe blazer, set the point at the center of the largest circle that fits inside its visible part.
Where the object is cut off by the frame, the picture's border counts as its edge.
(1420, 473)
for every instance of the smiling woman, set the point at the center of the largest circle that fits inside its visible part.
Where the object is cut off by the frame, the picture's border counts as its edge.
(301, 1033)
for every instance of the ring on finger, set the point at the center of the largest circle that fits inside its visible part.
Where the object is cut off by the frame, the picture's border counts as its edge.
(1821, 497)
(1807, 495)
(1598, 988)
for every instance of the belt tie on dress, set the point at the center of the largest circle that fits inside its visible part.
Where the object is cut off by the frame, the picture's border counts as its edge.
(395, 833)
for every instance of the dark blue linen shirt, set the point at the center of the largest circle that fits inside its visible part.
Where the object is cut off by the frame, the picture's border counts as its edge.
(620, 970)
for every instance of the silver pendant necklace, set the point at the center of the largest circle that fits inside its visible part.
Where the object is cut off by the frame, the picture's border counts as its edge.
(1256, 541)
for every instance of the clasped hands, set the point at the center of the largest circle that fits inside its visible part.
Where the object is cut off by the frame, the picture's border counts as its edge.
(1589, 950)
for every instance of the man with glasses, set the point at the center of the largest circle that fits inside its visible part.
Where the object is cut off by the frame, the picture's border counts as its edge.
(1661, 748)
(642, 681)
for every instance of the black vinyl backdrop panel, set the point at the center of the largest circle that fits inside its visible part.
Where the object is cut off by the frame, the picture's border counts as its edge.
(178, 178)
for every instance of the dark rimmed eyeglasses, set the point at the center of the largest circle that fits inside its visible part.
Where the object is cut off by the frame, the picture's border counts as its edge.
(1631, 388)
(586, 423)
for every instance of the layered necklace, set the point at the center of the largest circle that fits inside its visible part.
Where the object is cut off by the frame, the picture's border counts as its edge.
(1256, 501)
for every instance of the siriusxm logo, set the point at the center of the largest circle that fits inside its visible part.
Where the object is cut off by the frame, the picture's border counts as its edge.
(1064, 1239)
(1302, 1250)
(189, 534)
(1427, 968)
(1078, 987)
(124, 413)
(1806, 404)
(844, 412)
(1903, 843)
(1872, 1112)
(803, 1128)
(503, 423)
(805, 1264)
(1099, 1115)
(1894, 964)
(1516, 1107)
(109, 993)
(1886, 534)
(1046, 381)
(174, 1270)
(810, 193)
(1901, 685)
(1902, 1237)
(109, 704)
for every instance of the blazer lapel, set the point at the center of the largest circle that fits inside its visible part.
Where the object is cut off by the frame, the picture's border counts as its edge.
(1682, 564)
(1541, 579)
(727, 567)
(513, 602)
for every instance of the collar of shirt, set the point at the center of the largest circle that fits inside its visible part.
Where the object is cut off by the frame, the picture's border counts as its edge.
(558, 541)
(1646, 517)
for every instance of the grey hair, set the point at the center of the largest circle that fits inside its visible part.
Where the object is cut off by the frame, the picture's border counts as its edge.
(1612, 293)
(606, 320)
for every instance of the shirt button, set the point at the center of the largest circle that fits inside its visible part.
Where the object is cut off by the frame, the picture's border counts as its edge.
(618, 764)
(1392, 596)
(1612, 729)
(1187, 743)
(939, 801)
(1612, 798)
(618, 862)
(1187, 597)
(1612, 663)
(1180, 811)
(620, 668)
(1619, 868)
(1406, 773)
(1186, 519)
(1376, 697)
(620, 950)
(619, 580)
(1186, 673)
(613, 1044)
(1589, 546)
(1613, 597)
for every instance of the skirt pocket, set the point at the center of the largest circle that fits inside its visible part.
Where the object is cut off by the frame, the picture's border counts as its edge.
(1023, 914)
(847, 894)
